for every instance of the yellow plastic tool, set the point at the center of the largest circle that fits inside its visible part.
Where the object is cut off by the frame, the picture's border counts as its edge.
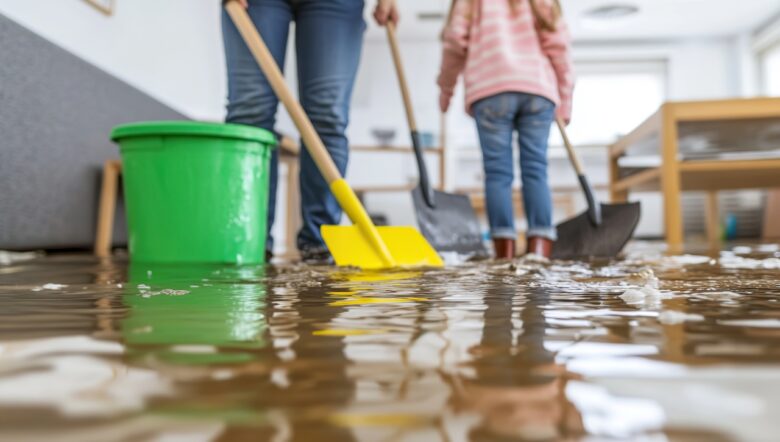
(362, 244)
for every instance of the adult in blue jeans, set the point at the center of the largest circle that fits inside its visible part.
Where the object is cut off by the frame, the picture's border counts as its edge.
(328, 40)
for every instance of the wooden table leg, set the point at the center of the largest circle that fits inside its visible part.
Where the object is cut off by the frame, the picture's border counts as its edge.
(712, 217)
(616, 196)
(772, 214)
(293, 213)
(672, 210)
(107, 208)
(670, 183)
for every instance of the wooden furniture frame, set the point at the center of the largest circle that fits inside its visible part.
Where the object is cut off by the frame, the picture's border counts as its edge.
(112, 169)
(563, 197)
(440, 151)
(674, 175)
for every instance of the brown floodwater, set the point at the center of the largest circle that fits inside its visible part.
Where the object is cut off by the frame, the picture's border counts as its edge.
(649, 348)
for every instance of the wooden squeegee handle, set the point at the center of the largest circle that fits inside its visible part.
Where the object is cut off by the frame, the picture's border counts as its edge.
(573, 157)
(271, 70)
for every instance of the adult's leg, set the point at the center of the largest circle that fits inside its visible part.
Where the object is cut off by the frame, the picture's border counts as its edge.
(494, 116)
(329, 38)
(533, 127)
(250, 98)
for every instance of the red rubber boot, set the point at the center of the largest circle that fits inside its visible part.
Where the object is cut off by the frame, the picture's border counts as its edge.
(504, 248)
(540, 246)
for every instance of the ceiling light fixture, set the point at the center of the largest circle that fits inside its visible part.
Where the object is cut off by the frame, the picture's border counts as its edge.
(612, 11)
(431, 16)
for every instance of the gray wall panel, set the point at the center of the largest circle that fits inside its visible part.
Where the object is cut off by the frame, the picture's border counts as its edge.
(56, 113)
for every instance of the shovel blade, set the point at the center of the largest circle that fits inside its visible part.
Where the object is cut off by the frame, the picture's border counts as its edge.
(407, 246)
(578, 238)
(450, 226)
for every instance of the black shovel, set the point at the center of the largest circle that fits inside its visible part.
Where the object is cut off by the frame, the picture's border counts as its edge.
(600, 232)
(446, 220)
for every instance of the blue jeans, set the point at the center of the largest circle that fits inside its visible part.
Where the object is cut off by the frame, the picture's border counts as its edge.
(497, 118)
(329, 38)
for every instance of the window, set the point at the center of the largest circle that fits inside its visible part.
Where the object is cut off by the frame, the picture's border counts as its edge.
(770, 70)
(612, 98)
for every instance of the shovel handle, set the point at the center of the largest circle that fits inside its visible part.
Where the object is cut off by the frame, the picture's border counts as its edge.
(422, 169)
(275, 78)
(594, 207)
(399, 70)
(573, 157)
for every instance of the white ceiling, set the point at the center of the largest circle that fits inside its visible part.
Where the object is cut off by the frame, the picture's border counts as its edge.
(656, 20)
(670, 19)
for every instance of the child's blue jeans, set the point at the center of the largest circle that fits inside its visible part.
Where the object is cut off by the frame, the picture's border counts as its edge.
(328, 39)
(497, 118)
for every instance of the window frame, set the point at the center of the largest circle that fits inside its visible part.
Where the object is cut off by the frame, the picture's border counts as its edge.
(766, 39)
(763, 78)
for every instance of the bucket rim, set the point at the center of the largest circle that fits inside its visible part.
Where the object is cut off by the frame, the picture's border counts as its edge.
(193, 128)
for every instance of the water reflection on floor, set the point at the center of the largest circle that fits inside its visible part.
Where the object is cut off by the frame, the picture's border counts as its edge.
(653, 347)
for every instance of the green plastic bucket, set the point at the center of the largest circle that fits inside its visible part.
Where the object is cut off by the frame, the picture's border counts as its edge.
(195, 192)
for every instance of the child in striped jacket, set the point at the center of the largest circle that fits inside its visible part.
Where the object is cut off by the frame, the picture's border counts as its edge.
(515, 59)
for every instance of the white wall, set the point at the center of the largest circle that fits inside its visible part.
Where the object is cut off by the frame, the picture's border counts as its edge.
(172, 49)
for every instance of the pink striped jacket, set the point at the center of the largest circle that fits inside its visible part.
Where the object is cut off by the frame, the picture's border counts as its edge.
(501, 50)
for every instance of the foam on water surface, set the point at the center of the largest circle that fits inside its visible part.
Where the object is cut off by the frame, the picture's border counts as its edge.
(7, 257)
(671, 317)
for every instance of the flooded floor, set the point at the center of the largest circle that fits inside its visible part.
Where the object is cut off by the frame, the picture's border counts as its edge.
(655, 348)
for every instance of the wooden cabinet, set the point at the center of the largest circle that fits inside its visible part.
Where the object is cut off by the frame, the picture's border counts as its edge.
(679, 171)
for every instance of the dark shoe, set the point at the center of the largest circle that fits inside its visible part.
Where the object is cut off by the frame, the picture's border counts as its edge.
(504, 248)
(540, 246)
(316, 255)
(269, 255)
